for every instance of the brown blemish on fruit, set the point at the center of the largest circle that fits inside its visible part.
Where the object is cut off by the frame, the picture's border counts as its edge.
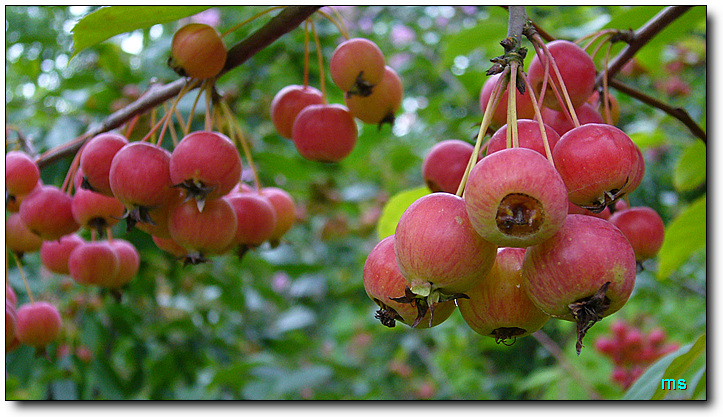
(588, 311)
(519, 215)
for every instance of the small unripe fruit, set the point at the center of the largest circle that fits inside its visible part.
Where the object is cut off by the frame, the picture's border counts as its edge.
(197, 51)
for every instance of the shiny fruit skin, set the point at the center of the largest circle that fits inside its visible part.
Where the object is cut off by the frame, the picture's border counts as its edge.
(382, 104)
(383, 280)
(207, 158)
(436, 243)
(325, 132)
(256, 218)
(515, 197)
(96, 158)
(576, 262)
(643, 227)
(210, 231)
(38, 323)
(355, 59)
(198, 51)
(21, 173)
(287, 104)
(444, 165)
(140, 177)
(577, 70)
(93, 263)
(48, 213)
(529, 136)
(586, 114)
(499, 306)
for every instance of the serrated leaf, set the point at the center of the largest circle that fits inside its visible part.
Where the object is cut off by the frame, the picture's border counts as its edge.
(690, 171)
(395, 207)
(685, 235)
(647, 386)
(110, 21)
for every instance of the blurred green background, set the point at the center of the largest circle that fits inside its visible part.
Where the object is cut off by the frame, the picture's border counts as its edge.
(294, 322)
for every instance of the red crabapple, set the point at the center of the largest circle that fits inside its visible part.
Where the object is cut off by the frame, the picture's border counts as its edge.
(18, 238)
(256, 218)
(325, 132)
(285, 210)
(287, 104)
(357, 65)
(96, 211)
(95, 160)
(584, 272)
(515, 197)
(598, 163)
(21, 173)
(577, 70)
(54, 254)
(498, 306)
(128, 262)
(643, 227)
(380, 106)
(197, 51)
(48, 213)
(206, 165)
(529, 136)
(437, 247)
(586, 114)
(383, 282)
(525, 109)
(38, 323)
(93, 263)
(445, 164)
(206, 232)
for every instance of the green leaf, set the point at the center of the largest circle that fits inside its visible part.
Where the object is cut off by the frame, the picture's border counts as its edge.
(690, 171)
(110, 21)
(681, 364)
(394, 209)
(685, 235)
(647, 387)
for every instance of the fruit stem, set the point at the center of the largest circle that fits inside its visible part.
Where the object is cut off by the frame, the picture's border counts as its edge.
(492, 104)
(320, 59)
(250, 19)
(337, 21)
(566, 104)
(167, 115)
(208, 120)
(22, 276)
(69, 182)
(306, 53)
(538, 117)
(512, 135)
(238, 136)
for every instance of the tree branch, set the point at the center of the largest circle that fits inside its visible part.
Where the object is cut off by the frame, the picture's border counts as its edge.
(287, 20)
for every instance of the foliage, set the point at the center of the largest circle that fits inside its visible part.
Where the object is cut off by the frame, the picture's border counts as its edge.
(294, 322)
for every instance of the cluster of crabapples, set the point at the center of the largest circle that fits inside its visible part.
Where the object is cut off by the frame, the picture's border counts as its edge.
(632, 351)
(521, 233)
(327, 132)
(190, 199)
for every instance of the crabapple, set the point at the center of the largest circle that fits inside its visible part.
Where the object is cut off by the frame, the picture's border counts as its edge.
(524, 106)
(515, 197)
(436, 244)
(210, 231)
(54, 254)
(38, 323)
(445, 164)
(498, 307)
(584, 272)
(643, 227)
(96, 211)
(559, 121)
(287, 104)
(577, 70)
(93, 263)
(96, 158)
(21, 173)
(285, 210)
(256, 218)
(324, 132)
(380, 106)
(205, 164)
(357, 65)
(598, 163)
(48, 213)
(18, 238)
(128, 262)
(197, 51)
(383, 282)
(529, 135)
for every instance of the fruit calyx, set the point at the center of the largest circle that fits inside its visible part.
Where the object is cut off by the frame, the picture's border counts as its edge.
(425, 298)
(520, 215)
(195, 190)
(587, 311)
(361, 87)
(138, 214)
(504, 334)
(607, 199)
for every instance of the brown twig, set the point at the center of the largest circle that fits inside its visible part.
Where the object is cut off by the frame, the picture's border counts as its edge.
(559, 355)
(288, 19)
